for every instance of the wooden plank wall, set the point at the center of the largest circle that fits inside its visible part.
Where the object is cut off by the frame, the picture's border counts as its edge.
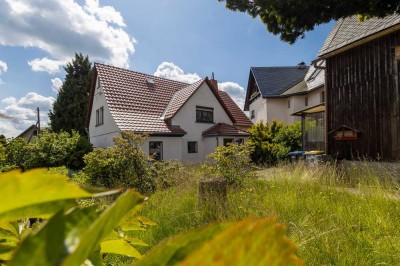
(363, 92)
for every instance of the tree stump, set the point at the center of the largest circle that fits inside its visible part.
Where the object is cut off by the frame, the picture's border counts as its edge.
(212, 196)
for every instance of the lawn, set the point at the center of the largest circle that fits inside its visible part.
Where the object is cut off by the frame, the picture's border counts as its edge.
(335, 218)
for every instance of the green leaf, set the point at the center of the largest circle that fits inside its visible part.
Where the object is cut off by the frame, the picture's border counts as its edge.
(249, 242)
(172, 251)
(95, 258)
(7, 250)
(103, 226)
(44, 247)
(41, 210)
(33, 188)
(119, 246)
(8, 232)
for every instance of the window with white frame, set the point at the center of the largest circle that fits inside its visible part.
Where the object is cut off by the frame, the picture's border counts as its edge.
(204, 114)
(192, 147)
(100, 116)
(156, 150)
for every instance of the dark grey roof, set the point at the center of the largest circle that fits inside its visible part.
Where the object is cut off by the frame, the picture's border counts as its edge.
(273, 81)
(349, 30)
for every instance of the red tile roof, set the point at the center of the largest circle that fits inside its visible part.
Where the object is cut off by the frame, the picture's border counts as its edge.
(180, 98)
(222, 129)
(240, 118)
(138, 105)
(135, 104)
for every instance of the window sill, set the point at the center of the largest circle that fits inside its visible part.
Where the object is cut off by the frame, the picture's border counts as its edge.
(205, 122)
(99, 125)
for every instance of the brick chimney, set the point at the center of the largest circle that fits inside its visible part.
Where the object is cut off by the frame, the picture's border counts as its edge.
(214, 82)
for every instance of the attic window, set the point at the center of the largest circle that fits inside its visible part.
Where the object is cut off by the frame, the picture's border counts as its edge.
(149, 81)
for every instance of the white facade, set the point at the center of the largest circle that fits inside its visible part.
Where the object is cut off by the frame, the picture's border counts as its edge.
(101, 136)
(269, 109)
(173, 147)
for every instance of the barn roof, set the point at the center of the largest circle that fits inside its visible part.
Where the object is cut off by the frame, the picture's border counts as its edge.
(348, 31)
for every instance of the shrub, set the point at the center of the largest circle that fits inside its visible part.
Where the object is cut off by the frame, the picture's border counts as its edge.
(17, 152)
(123, 164)
(48, 150)
(271, 142)
(165, 173)
(232, 163)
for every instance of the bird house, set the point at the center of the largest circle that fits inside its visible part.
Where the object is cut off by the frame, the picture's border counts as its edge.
(345, 133)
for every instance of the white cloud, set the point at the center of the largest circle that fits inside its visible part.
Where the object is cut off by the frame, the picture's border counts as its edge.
(56, 84)
(63, 27)
(19, 114)
(237, 92)
(171, 71)
(46, 65)
(106, 13)
(3, 69)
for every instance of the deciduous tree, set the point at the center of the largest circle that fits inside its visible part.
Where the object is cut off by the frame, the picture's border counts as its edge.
(292, 18)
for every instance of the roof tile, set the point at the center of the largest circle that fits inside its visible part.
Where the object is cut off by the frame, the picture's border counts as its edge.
(273, 81)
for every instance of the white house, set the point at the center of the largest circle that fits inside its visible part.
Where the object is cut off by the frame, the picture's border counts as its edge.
(184, 121)
(279, 93)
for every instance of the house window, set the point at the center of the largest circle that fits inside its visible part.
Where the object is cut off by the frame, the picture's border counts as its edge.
(204, 114)
(252, 114)
(192, 146)
(288, 103)
(156, 150)
(240, 141)
(322, 96)
(227, 141)
(100, 116)
(306, 101)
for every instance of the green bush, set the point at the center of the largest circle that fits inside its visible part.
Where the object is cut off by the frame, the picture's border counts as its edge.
(232, 163)
(48, 150)
(123, 164)
(165, 173)
(271, 142)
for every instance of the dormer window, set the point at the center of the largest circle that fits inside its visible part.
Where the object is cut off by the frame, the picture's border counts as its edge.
(204, 114)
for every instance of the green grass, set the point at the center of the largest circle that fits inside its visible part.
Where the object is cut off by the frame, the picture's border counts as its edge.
(335, 219)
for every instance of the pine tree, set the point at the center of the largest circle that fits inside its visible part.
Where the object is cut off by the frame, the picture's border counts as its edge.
(70, 108)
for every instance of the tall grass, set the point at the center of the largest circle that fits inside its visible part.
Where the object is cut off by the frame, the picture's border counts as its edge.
(335, 218)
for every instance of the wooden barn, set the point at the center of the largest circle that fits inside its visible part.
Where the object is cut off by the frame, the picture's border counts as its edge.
(362, 88)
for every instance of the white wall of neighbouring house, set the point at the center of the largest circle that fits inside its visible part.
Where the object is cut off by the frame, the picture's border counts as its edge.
(101, 136)
(277, 109)
(186, 119)
(260, 110)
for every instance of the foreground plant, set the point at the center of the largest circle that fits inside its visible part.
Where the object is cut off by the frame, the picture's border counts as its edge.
(249, 242)
(72, 235)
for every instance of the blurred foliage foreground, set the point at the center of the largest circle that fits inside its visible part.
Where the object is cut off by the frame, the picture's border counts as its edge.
(68, 229)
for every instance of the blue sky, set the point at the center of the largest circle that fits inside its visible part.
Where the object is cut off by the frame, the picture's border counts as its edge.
(177, 39)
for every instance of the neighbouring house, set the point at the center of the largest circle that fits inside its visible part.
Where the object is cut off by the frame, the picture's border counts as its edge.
(185, 122)
(363, 89)
(30, 133)
(276, 93)
(289, 94)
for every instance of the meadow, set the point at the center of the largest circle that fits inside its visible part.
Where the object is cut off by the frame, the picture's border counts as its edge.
(334, 217)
